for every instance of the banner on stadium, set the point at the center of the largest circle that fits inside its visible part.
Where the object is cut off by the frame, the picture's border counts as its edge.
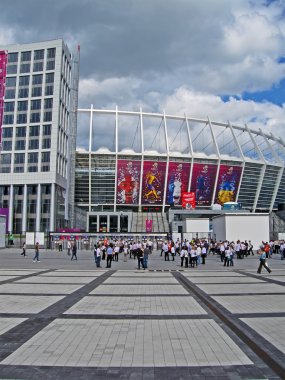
(203, 183)
(148, 225)
(189, 200)
(153, 182)
(228, 183)
(3, 68)
(177, 182)
(128, 181)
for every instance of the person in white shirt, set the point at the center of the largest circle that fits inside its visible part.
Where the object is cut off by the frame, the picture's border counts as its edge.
(193, 257)
(198, 252)
(116, 253)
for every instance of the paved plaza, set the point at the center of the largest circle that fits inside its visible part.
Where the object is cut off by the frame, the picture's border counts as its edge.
(63, 319)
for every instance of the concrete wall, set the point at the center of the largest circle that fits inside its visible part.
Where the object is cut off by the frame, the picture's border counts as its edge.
(196, 225)
(233, 227)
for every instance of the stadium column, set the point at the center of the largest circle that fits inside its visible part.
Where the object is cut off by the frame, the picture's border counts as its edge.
(11, 209)
(219, 159)
(90, 149)
(191, 152)
(167, 163)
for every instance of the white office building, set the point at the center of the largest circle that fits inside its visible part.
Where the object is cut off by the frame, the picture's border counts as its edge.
(39, 135)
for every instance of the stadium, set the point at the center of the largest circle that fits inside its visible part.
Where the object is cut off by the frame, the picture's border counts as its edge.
(139, 162)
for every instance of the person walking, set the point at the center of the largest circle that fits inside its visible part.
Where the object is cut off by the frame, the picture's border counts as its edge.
(37, 253)
(140, 258)
(146, 253)
(110, 253)
(126, 252)
(262, 261)
(68, 247)
(74, 251)
(97, 255)
(23, 250)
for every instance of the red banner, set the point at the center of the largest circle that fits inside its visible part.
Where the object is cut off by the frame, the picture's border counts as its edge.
(128, 181)
(188, 200)
(153, 182)
(177, 183)
(148, 225)
(228, 183)
(203, 183)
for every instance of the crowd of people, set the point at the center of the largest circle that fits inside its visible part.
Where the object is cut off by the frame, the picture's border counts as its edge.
(190, 253)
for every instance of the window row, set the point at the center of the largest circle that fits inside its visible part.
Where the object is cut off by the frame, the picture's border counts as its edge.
(22, 105)
(20, 144)
(19, 162)
(27, 55)
(25, 80)
(26, 67)
(34, 130)
(22, 118)
(24, 92)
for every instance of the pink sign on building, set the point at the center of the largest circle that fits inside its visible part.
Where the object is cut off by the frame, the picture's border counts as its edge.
(3, 68)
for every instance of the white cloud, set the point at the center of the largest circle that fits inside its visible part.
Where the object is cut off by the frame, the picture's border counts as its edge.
(267, 116)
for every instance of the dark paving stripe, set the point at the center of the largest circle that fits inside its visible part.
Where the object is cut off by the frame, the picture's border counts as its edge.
(259, 315)
(243, 294)
(265, 279)
(268, 353)
(14, 338)
(137, 373)
(24, 276)
(137, 295)
(134, 316)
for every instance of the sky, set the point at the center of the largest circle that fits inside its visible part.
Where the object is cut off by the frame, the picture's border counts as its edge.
(222, 59)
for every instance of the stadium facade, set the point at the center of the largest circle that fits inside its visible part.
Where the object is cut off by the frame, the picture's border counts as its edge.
(148, 161)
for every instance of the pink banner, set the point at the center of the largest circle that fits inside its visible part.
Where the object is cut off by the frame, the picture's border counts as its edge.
(203, 182)
(177, 182)
(3, 65)
(148, 225)
(128, 181)
(153, 182)
(228, 183)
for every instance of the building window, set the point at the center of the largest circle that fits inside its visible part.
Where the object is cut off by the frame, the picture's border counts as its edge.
(48, 103)
(49, 90)
(33, 144)
(12, 69)
(49, 77)
(39, 54)
(26, 56)
(25, 68)
(13, 57)
(8, 119)
(11, 82)
(35, 117)
(47, 116)
(23, 105)
(46, 157)
(50, 65)
(46, 143)
(38, 66)
(51, 53)
(34, 130)
(46, 129)
(19, 158)
(9, 106)
(7, 145)
(7, 132)
(36, 91)
(36, 104)
(24, 80)
(21, 132)
(23, 92)
(19, 169)
(20, 144)
(37, 79)
(10, 93)
(22, 118)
